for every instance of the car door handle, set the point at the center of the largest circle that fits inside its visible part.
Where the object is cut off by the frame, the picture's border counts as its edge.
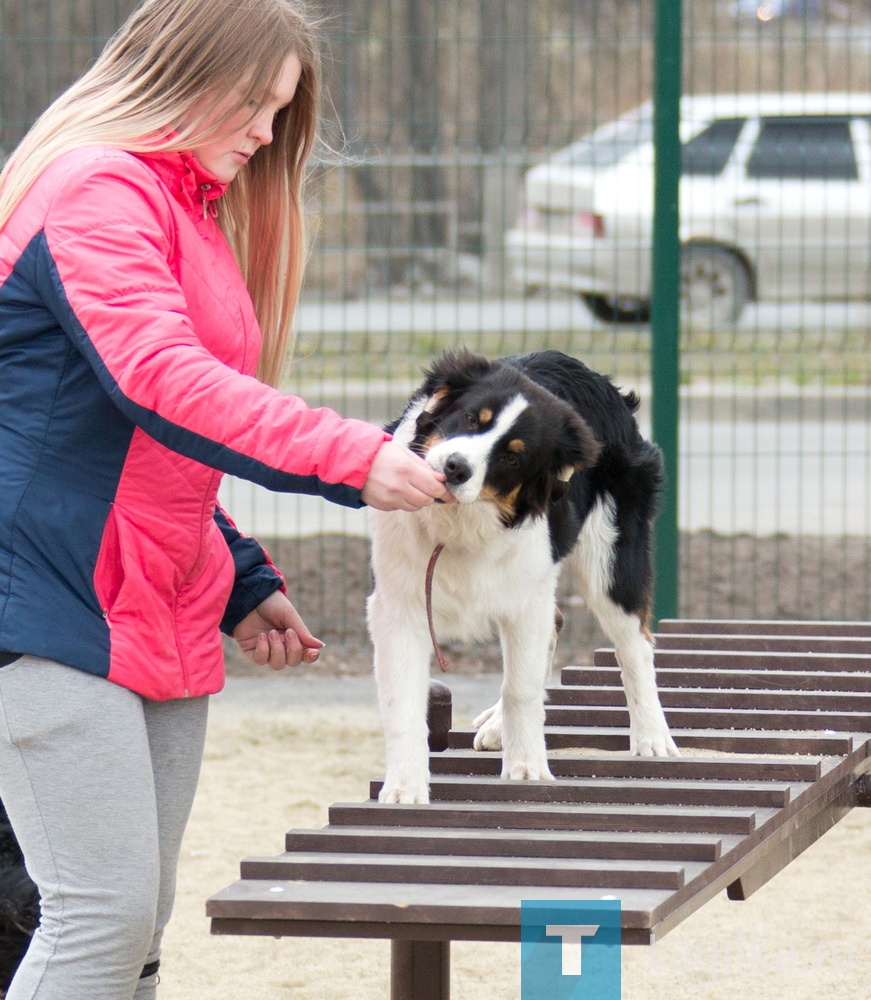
(747, 202)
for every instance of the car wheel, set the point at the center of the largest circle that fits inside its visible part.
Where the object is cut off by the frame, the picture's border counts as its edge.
(714, 286)
(618, 309)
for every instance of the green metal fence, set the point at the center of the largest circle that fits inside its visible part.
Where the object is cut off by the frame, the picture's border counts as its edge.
(446, 212)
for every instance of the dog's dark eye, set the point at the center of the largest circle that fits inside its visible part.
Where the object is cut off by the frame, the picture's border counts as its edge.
(472, 421)
(509, 458)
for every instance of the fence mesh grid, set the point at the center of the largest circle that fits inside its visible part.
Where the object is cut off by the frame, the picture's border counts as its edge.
(456, 200)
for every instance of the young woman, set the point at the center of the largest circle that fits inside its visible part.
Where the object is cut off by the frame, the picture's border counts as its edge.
(152, 244)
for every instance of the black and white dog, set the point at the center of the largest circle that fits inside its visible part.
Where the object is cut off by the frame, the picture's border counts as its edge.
(19, 904)
(543, 455)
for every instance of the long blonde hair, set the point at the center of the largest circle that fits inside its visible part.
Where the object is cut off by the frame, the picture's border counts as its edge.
(153, 88)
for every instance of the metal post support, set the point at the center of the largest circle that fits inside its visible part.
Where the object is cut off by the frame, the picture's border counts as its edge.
(665, 316)
(420, 970)
(862, 791)
(439, 715)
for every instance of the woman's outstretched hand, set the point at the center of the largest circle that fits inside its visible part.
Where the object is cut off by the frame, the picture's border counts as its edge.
(400, 480)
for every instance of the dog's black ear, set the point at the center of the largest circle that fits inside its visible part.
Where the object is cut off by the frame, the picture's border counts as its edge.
(454, 371)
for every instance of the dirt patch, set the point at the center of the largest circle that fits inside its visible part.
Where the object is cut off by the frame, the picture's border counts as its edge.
(721, 576)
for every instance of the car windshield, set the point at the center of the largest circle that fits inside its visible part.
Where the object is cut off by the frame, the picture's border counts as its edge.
(708, 152)
(610, 143)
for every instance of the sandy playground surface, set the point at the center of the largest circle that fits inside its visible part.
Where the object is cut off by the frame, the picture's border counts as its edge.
(281, 749)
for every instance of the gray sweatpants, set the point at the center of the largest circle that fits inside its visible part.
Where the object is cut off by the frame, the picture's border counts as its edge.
(98, 784)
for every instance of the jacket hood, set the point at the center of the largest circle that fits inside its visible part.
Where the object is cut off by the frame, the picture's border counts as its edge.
(185, 176)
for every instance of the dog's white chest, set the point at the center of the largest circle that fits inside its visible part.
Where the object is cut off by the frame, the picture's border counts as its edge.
(467, 601)
(484, 572)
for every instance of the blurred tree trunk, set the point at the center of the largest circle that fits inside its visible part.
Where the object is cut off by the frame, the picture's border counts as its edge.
(428, 228)
(347, 23)
(503, 110)
(44, 46)
(25, 67)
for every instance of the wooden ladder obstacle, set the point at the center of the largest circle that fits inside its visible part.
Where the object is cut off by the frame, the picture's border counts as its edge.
(773, 718)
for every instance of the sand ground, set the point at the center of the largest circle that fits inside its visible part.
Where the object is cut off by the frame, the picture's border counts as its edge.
(281, 749)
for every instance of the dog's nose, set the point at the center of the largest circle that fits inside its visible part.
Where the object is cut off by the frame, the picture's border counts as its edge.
(457, 470)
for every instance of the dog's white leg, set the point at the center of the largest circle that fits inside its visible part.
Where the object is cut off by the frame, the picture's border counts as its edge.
(489, 722)
(402, 658)
(648, 731)
(527, 649)
(596, 560)
(489, 726)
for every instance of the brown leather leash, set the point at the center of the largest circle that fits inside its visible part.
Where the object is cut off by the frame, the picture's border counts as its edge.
(430, 567)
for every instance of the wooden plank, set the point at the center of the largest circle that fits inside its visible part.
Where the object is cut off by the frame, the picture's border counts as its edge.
(724, 626)
(747, 660)
(750, 741)
(400, 910)
(689, 677)
(634, 933)
(517, 844)
(708, 697)
(477, 871)
(733, 768)
(782, 849)
(470, 815)
(796, 644)
(826, 795)
(269, 925)
(646, 791)
(420, 970)
(340, 927)
(616, 738)
(713, 718)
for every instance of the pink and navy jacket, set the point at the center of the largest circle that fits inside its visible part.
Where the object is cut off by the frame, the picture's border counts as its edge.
(128, 345)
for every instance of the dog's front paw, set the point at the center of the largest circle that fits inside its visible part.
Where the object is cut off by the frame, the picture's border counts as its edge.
(489, 726)
(526, 771)
(404, 793)
(654, 741)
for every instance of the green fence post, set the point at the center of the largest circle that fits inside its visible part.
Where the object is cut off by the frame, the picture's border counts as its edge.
(665, 314)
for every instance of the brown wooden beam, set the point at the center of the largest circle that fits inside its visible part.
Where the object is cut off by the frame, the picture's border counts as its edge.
(420, 970)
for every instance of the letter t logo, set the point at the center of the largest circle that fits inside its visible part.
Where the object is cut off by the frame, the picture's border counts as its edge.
(572, 937)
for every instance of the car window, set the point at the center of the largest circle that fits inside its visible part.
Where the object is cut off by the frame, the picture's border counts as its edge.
(804, 149)
(708, 152)
(609, 144)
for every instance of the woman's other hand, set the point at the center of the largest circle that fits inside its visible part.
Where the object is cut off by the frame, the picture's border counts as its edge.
(275, 635)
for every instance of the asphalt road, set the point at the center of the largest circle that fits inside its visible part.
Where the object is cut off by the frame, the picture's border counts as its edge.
(448, 317)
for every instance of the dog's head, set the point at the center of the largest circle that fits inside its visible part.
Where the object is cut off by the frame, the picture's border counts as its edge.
(498, 436)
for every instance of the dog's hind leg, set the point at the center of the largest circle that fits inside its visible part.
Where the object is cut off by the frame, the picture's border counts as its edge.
(402, 659)
(649, 735)
(489, 728)
(615, 580)
(489, 723)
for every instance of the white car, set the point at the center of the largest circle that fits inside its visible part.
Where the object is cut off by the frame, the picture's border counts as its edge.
(775, 204)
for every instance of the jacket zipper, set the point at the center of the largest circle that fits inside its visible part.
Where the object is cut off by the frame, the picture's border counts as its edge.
(209, 205)
(205, 520)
